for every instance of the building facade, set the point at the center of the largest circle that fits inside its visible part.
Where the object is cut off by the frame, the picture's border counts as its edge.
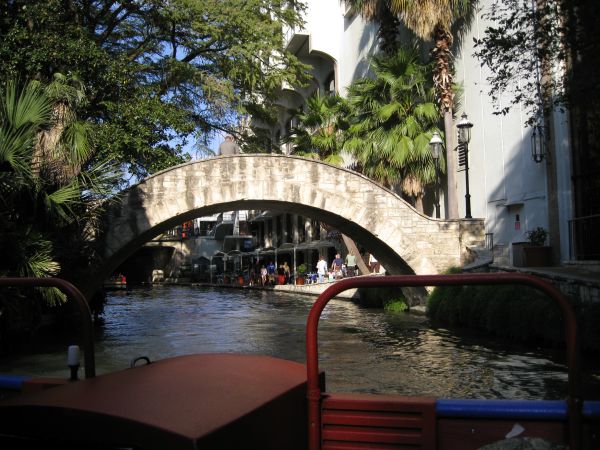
(511, 191)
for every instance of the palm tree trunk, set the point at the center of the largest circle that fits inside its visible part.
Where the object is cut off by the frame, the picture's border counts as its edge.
(419, 204)
(351, 246)
(47, 162)
(388, 32)
(443, 79)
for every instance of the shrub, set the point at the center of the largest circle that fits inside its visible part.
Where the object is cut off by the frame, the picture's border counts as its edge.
(517, 312)
(396, 305)
(301, 269)
(537, 237)
(380, 297)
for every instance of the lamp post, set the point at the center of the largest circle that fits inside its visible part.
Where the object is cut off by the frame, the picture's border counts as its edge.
(436, 148)
(538, 150)
(464, 136)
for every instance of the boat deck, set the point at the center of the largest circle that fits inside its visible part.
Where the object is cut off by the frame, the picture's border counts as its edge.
(239, 401)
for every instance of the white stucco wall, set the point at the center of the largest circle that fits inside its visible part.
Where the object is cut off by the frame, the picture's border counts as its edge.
(504, 179)
(346, 38)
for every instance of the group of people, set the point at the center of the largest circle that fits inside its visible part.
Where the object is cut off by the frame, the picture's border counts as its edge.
(267, 276)
(339, 268)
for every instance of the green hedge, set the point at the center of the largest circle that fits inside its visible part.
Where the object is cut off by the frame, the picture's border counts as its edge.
(517, 312)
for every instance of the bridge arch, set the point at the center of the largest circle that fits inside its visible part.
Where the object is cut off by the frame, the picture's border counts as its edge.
(404, 240)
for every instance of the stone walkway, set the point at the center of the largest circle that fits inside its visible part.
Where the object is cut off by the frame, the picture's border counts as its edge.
(578, 282)
(313, 289)
(573, 273)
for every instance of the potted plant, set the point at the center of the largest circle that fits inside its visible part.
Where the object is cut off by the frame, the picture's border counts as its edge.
(300, 272)
(536, 253)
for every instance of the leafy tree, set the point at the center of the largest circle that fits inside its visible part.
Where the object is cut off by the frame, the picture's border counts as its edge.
(45, 201)
(543, 56)
(433, 19)
(156, 74)
(319, 133)
(393, 118)
(525, 44)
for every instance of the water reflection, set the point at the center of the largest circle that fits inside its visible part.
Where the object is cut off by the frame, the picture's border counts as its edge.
(361, 350)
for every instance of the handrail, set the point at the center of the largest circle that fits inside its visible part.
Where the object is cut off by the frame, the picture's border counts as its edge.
(314, 394)
(86, 317)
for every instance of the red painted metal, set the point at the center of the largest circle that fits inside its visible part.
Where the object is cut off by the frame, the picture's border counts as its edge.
(186, 402)
(86, 317)
(315, 395)
(390, 421)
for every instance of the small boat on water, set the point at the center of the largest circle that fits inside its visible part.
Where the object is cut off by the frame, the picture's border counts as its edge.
(234, 401)
(115, 282)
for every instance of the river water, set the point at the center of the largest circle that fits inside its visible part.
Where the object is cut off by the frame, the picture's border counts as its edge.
(361, 349)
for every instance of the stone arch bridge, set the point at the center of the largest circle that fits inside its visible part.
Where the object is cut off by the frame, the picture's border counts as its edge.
(402, 239)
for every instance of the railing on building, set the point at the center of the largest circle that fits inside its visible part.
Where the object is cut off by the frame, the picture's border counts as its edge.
(584, 243)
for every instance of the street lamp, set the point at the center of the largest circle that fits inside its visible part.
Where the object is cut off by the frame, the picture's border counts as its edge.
(436, 149)
(464, 136)
(538, 148)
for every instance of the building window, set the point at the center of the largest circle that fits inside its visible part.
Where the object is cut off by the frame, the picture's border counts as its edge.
(330, 84)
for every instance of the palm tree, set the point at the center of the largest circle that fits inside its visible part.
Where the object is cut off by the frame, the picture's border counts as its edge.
(431, 19)
(64, 146)
(379, 11)
(394, 116)
(44, 194)
(23, 114)
(318, 134)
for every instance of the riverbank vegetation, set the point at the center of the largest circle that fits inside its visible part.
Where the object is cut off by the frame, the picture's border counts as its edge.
(388, 298)
(97, 95)
(515, 312)
(385, 124)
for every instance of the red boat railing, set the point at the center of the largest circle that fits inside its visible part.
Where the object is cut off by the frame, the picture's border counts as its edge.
(314, 394)
(86, 317)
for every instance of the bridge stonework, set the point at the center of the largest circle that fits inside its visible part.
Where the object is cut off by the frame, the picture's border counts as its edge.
(402, 239)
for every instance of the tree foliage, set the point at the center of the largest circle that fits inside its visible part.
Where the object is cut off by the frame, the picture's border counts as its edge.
(437, 20)
(46, 203)
(541, 54)
(157, 74)
(320, 130)
(393, 116)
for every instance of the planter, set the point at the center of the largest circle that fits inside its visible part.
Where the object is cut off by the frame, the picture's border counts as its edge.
(240, 280)
(537, 256)
(280, 279)
(300, 280)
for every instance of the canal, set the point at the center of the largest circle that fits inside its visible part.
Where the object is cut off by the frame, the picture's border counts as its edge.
(361, 349)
